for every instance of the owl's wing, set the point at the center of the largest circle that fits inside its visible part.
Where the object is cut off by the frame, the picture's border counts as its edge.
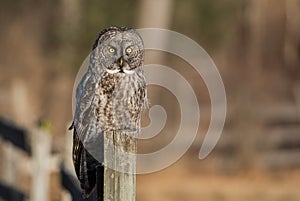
(87, 101)
(87, 137)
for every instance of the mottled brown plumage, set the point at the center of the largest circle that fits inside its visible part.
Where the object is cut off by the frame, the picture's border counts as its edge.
(110, 96)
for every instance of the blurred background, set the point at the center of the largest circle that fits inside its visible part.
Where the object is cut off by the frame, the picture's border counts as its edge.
(255, 45)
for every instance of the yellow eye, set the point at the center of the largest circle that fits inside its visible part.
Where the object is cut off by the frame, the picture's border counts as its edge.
(128, 50)
(111, 50)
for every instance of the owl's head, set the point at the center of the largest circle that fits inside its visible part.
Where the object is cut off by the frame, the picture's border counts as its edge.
(119, 50)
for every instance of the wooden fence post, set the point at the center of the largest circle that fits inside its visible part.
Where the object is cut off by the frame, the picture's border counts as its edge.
(120, 166)
(41, 151)
(9, 164)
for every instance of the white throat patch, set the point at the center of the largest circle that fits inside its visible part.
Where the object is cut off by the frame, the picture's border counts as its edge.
(112, 71)
(129, 72)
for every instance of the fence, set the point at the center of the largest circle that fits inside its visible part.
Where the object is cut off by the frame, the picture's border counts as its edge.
(30, 153)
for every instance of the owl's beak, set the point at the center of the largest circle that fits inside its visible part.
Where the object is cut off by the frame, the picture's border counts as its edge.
(121, 62)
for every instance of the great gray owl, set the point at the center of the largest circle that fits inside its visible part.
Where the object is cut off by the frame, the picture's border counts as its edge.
(110, 96)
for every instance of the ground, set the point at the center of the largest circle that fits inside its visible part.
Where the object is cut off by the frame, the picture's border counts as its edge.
(179, 183)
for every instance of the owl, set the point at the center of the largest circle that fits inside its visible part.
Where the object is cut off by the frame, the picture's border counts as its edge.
(110, 97)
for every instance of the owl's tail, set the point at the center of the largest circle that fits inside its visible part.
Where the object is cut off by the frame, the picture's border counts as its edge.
(89, 171)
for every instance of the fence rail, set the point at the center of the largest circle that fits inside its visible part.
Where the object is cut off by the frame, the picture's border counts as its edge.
(36, 145)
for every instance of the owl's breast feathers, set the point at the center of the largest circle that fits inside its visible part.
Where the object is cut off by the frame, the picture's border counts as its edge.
(121, 100)
(115, 103)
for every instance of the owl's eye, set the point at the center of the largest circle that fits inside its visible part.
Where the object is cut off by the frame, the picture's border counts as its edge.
(111, 50)
(129, 50)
